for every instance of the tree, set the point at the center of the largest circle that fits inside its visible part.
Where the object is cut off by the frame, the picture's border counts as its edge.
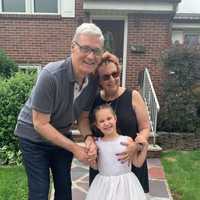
(7, 66)
(180, 110)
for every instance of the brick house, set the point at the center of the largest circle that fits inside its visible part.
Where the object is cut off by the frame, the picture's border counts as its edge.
(34, 32)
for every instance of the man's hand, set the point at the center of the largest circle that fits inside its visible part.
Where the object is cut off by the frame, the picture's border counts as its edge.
(81, 153)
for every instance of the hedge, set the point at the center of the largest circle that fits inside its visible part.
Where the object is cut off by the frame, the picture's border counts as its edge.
(13, 94)
(7, 66)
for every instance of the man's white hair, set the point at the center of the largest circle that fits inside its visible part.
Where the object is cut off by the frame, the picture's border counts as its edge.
(89, 29)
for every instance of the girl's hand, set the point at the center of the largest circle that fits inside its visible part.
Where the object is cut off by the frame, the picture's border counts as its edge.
(140, 139)
(141, 142)
(93, 164)
(92, 148)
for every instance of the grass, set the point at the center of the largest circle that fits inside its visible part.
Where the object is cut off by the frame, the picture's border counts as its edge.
(13, 183)
(182, 170)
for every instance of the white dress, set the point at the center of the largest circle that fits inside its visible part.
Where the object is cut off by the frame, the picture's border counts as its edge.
(115, 180)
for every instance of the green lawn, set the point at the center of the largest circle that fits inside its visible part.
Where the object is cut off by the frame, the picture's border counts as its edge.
(13, 183)
(182, 169)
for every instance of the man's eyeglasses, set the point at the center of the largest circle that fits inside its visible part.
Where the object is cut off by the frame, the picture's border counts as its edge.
(107, 77)
(88, 50)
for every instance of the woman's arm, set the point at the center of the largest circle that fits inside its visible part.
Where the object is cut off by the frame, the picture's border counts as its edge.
(142, 116)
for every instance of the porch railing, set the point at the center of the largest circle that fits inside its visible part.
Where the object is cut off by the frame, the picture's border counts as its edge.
(151, 101)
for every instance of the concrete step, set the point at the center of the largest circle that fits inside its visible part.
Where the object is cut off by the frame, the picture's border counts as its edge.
(154, 151)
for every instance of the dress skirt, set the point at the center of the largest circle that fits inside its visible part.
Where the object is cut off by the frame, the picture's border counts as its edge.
(120, 187)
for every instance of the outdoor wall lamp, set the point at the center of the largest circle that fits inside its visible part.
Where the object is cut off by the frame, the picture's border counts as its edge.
(137, 49)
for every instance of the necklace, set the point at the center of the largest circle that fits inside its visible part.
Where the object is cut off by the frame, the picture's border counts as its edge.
(113, 101)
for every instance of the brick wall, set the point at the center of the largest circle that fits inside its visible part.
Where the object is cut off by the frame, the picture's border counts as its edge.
(152, 32)
(38, 38)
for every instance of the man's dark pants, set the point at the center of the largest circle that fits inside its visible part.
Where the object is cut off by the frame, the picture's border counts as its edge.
(38, 158)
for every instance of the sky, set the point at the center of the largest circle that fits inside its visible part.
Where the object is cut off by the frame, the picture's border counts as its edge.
(189, 6)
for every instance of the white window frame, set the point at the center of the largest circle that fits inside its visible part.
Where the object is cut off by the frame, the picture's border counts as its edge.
(29, 9)
(36, 66)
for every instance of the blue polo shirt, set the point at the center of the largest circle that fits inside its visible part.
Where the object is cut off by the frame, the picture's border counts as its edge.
(53, 94)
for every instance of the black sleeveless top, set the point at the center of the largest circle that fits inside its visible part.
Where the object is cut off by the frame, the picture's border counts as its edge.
(126, 117)
(126, 125)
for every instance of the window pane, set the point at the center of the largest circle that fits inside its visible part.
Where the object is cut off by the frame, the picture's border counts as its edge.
(46, 6)
(13, 5)
(191, 39)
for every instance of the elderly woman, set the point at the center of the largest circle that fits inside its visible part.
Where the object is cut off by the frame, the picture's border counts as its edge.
(132, 117)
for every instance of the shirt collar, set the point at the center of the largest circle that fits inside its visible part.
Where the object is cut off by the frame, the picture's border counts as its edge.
(70, 74)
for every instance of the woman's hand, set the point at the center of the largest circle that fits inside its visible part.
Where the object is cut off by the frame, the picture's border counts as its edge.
(130, 151)
(110, 56)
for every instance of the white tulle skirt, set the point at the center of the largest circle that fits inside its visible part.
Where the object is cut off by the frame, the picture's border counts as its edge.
(121, 187)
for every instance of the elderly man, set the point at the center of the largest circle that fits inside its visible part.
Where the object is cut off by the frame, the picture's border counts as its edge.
(63, 93)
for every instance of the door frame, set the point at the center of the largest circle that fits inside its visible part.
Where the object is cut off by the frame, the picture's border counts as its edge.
(125, 19)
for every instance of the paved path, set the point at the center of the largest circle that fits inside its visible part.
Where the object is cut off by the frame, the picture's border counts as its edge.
(158, 185)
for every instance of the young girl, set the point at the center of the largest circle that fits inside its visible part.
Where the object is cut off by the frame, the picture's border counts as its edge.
(115, 180)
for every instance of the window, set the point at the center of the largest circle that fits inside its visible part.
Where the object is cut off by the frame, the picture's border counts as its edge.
(30, 68)
(192, 39)
(13, 5)
(65, 8)
(45, 6)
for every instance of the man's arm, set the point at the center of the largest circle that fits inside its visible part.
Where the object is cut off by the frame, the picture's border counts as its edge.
(83, 124)
(46, 130)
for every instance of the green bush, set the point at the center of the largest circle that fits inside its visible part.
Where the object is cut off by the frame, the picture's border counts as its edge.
(7, 65)
(180, 108)
(13, 94)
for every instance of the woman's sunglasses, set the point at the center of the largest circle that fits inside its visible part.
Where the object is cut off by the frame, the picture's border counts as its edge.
(107, 77)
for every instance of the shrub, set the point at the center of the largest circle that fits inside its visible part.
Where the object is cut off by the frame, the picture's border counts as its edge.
(180, 109)
(7, 65)
(13, 94)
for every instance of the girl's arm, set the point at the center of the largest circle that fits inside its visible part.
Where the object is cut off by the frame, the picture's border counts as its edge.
(140, 156)
(93, 164)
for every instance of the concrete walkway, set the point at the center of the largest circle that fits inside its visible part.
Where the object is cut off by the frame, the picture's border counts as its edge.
(159, 189)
